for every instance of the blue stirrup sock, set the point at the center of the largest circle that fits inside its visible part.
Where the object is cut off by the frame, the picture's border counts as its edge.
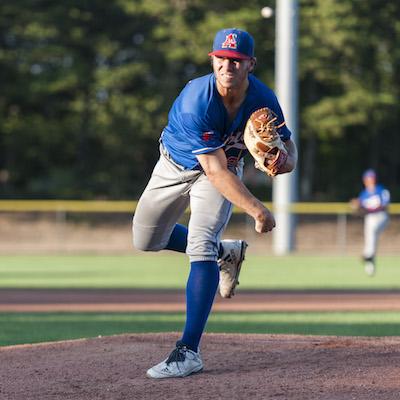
(200, 292)
(178, 239)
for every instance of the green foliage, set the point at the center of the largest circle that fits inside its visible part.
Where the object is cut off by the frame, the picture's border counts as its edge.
(86, 89)
(349, 91)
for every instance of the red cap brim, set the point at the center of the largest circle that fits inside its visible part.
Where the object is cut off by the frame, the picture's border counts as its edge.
(229, 54)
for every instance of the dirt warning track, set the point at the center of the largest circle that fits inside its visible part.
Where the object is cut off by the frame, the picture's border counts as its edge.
(103, 300)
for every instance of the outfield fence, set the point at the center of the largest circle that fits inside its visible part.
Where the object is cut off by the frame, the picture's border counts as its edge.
(117, 206)
(104, 226)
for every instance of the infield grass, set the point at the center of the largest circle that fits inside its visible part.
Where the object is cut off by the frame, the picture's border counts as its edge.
(170, 271)
(19, 328)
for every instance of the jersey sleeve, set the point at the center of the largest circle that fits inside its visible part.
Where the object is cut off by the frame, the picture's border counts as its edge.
(385, 197)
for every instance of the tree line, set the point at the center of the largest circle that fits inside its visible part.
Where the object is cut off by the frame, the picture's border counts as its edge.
(86, 87)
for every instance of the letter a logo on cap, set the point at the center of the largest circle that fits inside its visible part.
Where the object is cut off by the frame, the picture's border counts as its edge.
(233, 43)
(230, 41)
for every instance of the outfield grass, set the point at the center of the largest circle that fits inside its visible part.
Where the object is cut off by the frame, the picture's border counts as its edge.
(170, 271)
(18, 328)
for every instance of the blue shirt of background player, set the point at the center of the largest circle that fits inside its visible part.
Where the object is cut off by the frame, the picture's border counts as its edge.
(198, 122)
(375, 200)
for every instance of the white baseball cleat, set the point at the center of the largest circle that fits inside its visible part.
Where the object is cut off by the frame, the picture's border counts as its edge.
(229, 265)
(180, 363)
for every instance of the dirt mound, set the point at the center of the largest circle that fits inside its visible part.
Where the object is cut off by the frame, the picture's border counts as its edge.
(236, 367)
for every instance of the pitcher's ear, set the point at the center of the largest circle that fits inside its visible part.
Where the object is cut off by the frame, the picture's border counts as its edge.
(253, 64)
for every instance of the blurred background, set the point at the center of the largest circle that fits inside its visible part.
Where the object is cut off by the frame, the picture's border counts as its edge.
(86, 87)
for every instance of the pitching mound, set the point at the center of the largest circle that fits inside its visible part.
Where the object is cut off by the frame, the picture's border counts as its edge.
(236, 367)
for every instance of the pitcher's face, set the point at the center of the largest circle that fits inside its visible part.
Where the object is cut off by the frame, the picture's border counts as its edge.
(230, 73)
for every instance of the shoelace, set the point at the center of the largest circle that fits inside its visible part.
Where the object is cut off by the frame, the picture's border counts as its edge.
(223, 261)
(229, 258)
(177, 355)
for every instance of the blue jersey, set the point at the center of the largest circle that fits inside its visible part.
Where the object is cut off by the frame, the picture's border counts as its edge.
(376, 200)
(198, 122)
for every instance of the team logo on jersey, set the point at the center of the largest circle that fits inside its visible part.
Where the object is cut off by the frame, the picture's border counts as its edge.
(232, 161)
(234, 148)
(206, 136)
(230, 41)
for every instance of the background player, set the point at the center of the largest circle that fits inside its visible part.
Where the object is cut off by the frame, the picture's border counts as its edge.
(200, 164)
(372, 202)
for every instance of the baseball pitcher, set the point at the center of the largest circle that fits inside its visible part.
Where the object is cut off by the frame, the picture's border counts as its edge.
(200, 167)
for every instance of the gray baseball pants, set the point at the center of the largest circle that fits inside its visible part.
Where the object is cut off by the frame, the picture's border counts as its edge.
(170, 191)
(374, 224)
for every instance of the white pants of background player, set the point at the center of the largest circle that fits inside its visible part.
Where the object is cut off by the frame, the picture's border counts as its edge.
(374, 223)
(170, 191)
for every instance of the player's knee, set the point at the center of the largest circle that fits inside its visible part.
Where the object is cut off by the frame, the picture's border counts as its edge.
(146, 245)
(202, 250)
(146, 239)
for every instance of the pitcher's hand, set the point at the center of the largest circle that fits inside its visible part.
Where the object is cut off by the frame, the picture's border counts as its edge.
(264, 222)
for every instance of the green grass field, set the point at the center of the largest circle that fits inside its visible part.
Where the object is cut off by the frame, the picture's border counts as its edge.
(18, 328)
(160, 271)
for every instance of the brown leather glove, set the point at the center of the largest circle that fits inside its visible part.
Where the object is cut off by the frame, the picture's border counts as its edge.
(264, 143)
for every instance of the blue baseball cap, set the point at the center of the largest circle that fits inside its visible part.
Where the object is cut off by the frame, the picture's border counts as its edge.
(233, 43)
(369, 173)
